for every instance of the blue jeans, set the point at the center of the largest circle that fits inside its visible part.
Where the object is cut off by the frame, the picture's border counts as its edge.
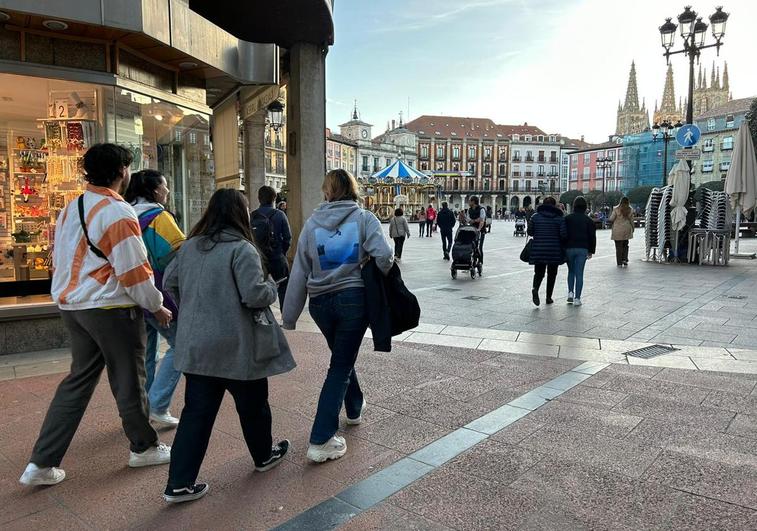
(576, 261)
(161, 384)
(342, 318)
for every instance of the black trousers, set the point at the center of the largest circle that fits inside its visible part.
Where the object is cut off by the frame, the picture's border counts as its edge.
(482, 234)
(399, 244)
(429, 227)
(621, 251)
(202, 399)
(551, 271)
(100, 339)
(279, 268)
(421, 228)
(446, 241)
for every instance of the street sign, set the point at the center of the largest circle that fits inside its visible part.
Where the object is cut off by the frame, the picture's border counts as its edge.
(688, 135)
(688, 154)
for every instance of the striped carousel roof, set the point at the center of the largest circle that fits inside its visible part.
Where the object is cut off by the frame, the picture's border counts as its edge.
(400, 170)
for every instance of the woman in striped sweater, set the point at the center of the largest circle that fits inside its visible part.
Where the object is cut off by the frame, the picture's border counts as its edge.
(148, 193)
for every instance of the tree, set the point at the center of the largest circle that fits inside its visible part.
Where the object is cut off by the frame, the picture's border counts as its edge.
(752, 121)
(594, 198)
(613, 198)
(568, 197)
(639, 195)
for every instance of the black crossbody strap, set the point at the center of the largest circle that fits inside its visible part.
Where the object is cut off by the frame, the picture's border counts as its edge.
(97, 252)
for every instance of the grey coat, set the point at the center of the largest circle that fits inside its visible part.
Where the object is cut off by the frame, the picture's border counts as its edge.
(225, 329)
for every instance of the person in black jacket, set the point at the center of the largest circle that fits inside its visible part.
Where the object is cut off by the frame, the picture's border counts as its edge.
(547, 226)
(445, 220)
(579, 247)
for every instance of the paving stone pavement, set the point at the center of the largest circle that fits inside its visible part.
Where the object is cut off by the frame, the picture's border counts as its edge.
(682, 304)
(616, 447)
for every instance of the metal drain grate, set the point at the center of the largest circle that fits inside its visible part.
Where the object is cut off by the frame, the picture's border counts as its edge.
(737, 297)
(449, 289)
(474, 298)
(651, 351)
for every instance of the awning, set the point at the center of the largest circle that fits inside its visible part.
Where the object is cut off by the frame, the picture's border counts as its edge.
(283, 22)
(400, 170)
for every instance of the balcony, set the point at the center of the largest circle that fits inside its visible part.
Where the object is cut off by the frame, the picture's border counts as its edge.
(529, 174)
(529, 159)
(552, 160)
(423, 157)
(542, 159)
(726, 147)
(516, 158)
(553, 174)
(516, 174)
(708, 147)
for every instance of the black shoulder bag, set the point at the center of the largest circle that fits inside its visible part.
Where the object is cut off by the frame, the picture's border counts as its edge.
(97, 252)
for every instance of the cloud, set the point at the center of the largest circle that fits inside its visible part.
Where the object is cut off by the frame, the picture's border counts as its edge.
(424, 21)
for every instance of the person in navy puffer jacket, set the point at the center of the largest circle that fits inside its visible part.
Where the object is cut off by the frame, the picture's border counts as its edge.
(549, 232)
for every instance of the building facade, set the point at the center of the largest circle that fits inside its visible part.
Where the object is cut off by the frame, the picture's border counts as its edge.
(567, 147)
(586, 175)
(534, 167)
(468, 156)
(644, 162)
(341, 153)
(632, 118)
(374, 154)
(716, 94)
(275, 152)
(719, 127)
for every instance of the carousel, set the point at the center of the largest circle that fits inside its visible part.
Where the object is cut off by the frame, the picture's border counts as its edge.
(398, 186)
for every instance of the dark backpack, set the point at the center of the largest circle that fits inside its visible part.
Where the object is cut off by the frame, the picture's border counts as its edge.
(264, 233)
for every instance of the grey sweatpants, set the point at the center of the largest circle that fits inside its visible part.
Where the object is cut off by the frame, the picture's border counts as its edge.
(112, 339)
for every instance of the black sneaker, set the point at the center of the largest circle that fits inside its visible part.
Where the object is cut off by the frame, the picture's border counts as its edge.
(277, 455)
(185, 494)
(535, 297)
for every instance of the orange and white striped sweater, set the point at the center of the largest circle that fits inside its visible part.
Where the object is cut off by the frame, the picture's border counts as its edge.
(83, 281)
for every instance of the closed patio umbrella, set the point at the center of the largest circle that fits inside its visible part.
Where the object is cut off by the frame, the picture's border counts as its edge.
(680, 179)
(741, 180)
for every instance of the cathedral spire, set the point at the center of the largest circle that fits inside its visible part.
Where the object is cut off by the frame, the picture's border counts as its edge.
(699, 77)
(726, 87)
(354, 112)
(704, 79)
(717, 79)
(668, 93)
(632, 92)
(712, 76)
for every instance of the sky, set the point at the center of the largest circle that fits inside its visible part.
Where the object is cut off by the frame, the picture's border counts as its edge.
(561, 65)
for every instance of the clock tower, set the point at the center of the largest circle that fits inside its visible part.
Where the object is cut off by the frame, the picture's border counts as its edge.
(356, 129)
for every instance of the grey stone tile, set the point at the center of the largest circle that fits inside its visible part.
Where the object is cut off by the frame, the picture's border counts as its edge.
(729, 483)
(495, 461)
(697, 513)
(592, 396)
(567, 381)
(669, 410)
(654, 388)
(448, 447)
(732, 402)
(735, 384)
(384, 483)
(498, 419)
(517, 431)
(744, 425)
(326, 515)
(536, 398)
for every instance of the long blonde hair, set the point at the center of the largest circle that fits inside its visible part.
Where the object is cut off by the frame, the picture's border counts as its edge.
(339, 185)
(624, 208)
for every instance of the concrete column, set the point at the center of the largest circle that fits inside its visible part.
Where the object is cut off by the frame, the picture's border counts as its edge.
(306, 126)
(254, 155)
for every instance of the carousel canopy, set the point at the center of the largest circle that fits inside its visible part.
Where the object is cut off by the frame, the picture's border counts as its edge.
(398, 170)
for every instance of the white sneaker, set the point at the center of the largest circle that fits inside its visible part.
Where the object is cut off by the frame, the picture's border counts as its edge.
(157, 455)
(577, 302)
(359, 419)
(164, 420)
(570, 297)
(334, 448)
(34, 475)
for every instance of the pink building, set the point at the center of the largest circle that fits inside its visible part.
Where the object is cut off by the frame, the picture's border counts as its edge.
(598, 167)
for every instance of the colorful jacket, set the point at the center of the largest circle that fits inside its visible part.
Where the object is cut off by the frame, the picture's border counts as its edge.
(82, 280)
(162, 238)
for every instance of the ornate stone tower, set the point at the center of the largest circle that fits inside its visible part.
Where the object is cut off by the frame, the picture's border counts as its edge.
(668, 112)
(632, 118)
(717, 94)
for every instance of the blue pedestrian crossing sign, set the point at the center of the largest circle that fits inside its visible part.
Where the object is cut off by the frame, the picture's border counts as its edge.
(688, 135)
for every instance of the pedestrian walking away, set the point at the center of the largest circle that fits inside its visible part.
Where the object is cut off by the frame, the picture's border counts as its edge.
(547, 227)
(476, 217)
(421, 222)
(148, 193)
(273, 237)
(101, 277)
(430, 219)
(398, 231)
(228, 340)
(337, 238)
(488, 219)
(580, 245)
(445, 220)
(622, 230)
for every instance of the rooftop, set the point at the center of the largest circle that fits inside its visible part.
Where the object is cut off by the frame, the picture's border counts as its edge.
(467, 127)
(732, 107)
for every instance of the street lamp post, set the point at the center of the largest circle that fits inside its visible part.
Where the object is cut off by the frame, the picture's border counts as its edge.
(604, 163)
(665, 132)
(693, 32)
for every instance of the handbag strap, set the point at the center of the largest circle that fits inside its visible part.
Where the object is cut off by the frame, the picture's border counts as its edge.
(97, 252)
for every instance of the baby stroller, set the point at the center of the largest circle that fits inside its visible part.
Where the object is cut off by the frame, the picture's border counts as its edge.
(520, 227)
(466, 253)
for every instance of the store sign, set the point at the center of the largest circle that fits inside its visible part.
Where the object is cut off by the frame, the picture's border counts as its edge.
(688, 154)
(259, 100)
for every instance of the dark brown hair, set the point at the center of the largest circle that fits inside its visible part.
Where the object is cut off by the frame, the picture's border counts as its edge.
(103, 164)
(227, 211)
(143, 184)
